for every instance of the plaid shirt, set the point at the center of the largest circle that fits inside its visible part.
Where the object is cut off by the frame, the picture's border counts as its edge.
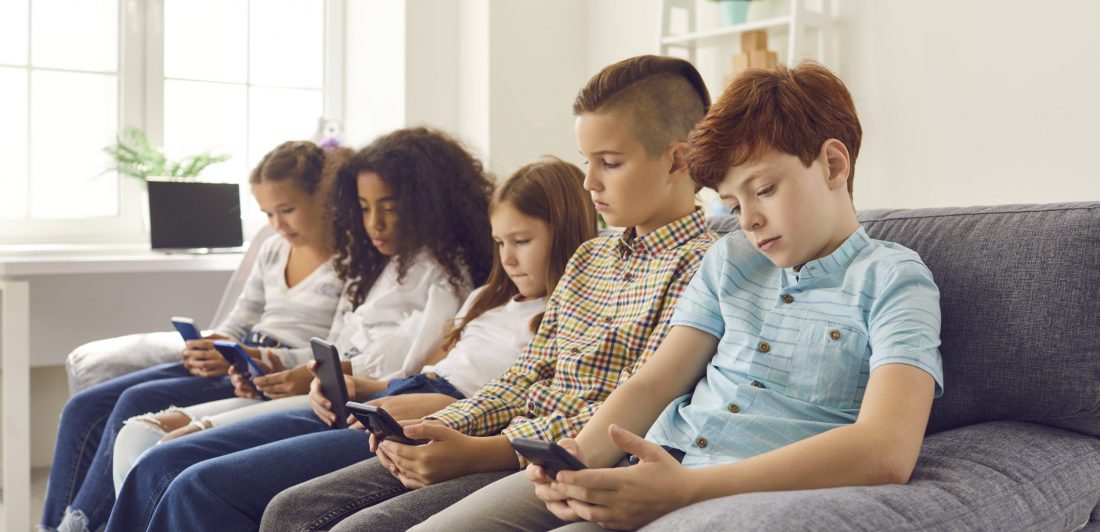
(610, 311)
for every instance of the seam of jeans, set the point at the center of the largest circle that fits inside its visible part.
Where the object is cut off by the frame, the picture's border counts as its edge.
(74, 487)
(353, 506)
(147, 514)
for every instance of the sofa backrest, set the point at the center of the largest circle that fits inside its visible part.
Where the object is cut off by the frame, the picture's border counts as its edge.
(1020, 301)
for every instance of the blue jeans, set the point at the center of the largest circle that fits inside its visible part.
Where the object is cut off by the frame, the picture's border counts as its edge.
(232, 472)
(81, 476)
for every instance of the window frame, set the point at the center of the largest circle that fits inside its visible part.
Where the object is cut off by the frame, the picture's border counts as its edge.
(140, 79)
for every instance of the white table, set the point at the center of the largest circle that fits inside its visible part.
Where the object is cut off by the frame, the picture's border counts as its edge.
(20, 266)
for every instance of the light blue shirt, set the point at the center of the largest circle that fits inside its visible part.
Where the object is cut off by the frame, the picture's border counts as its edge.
(796, 348)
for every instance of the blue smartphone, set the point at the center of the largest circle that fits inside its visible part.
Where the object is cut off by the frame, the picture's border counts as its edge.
(186, 328)
(245, 366)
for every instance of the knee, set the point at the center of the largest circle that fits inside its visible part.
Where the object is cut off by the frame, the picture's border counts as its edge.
(285, 509)
(132, 441)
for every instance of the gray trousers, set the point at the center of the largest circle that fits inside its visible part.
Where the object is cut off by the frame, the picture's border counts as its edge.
(508, 504)
(365, 496)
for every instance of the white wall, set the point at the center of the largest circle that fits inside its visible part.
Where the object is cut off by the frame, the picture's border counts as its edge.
(499, 74)
(962, 103)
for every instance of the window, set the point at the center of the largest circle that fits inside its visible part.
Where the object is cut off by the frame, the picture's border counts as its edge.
(235, 76)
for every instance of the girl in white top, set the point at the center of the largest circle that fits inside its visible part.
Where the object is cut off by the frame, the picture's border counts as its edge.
(291, 295)
(539, 218)
(404, 284)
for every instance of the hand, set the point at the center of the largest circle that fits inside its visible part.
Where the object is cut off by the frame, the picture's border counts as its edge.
(628, 497)
(185, 430)
(413, 405)
(202, 360)
(285, 383)
(322, 406)
(445, 457)
(241, 388)
(556, 501)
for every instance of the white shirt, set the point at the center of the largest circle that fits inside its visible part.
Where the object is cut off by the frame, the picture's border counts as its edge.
(398, 326)
(489, 344)
(292, 315)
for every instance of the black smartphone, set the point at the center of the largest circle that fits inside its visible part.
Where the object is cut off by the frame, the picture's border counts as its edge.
(331, 374)
(380, 423)
(551, 456)
(186, 328)
(245, 366)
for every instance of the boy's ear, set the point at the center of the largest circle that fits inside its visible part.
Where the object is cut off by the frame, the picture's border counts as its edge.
(837, 163)
(678, 152)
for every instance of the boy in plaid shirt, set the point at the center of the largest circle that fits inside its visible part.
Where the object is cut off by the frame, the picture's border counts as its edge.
(610, 311)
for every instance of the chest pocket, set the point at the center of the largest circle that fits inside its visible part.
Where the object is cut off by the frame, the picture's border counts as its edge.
(829, 365)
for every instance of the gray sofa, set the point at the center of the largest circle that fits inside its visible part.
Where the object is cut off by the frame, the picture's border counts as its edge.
(1012, 444)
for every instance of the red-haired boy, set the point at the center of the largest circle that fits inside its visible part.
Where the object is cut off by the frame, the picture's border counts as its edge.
(803, 354)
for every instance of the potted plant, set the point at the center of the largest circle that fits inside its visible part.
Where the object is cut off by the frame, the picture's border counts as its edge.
(733, 11)
(182, 212)
(133, 155)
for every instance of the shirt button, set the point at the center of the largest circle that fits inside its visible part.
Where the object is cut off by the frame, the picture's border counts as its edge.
(607, 319)
(574, 350)
(834, 334)
(764, 347)
(733, 408)
(701, 442)
(757, 384)
(628, 277)
(788, 299)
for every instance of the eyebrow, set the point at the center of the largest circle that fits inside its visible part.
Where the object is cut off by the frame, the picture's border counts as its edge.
(752, 177)
(380, 200)
(602, 152)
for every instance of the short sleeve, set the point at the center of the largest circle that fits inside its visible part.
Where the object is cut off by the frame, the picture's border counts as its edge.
(904, 321)
(698, 306)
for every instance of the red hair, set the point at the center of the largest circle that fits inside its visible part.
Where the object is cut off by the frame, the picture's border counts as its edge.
(793, 111)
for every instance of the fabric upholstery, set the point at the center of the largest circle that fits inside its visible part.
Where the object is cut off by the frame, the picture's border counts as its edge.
(1020, 304)
(992, 476)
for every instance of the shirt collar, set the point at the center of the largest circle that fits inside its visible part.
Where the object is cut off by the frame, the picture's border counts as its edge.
(838, 260)
(668, 236)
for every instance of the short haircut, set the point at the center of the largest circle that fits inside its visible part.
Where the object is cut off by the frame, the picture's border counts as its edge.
(663, 96)
(791, 110)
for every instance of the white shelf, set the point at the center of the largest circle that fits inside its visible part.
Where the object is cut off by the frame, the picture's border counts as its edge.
(702, 37)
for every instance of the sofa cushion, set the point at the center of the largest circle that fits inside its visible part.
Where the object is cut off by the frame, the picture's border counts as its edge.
(995, 476)
(1020, 300)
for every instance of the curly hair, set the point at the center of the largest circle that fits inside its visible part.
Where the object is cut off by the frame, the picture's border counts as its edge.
(442, 196)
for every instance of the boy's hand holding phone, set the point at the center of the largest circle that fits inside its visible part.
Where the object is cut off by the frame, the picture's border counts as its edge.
(448, 455)
(623, 497)
(555, 500)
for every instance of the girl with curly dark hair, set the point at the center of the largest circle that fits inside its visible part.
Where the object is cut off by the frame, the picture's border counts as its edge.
(411, 232)
(539, 217)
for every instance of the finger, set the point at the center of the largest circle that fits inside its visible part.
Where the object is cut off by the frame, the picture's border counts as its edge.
(428, 431)
(636, 445)
(411, 482)
(596, 479)
(399, 453)
(562, 511)
(535, 473)
(312, 367)
(589, 495)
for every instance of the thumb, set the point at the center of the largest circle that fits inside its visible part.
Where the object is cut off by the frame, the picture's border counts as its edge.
(569, 444)
(428, 431)
(635, 445)
(312, 367)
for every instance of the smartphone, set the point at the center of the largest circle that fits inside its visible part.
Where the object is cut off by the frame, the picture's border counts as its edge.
(241, 362)
(551, 456)
(331, 374)
(186, 328)
(380, 423)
